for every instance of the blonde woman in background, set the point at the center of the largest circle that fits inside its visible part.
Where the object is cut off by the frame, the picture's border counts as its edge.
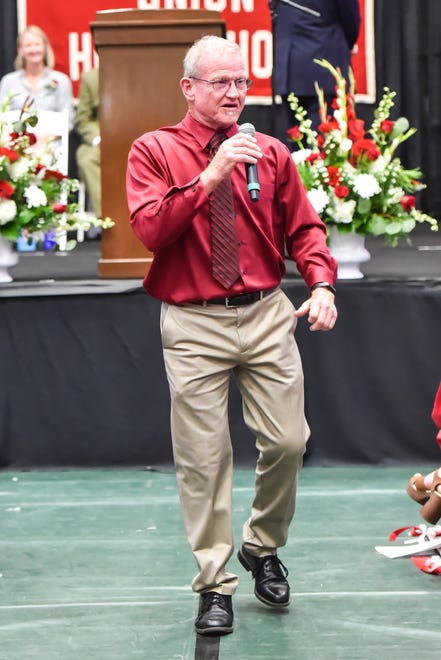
(35, 76)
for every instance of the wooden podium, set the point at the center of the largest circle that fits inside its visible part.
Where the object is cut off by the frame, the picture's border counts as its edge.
(140, 53)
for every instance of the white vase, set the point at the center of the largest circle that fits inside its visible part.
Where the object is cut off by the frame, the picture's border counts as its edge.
(350, 252)
(8, 258)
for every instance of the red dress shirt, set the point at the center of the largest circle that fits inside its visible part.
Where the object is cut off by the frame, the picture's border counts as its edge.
(169, 213)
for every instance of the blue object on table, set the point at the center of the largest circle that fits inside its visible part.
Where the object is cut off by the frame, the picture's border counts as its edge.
(26, 244)
(48, 241)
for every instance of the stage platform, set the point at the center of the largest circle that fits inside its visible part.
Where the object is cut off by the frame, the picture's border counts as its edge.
(420, 259)
(83, 382)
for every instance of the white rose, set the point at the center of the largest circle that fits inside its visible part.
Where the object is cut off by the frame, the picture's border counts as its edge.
(35, 196)
(8, 210)
(20, 167)
(342, 211)
(301, 155)
(366, 185)
(318, 198)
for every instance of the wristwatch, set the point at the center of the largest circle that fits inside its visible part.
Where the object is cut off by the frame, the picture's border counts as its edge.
(323, 285)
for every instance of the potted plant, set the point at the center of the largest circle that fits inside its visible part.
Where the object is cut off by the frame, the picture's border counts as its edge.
(354, 178)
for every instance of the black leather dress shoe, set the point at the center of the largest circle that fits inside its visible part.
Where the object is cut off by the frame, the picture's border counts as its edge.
(215, 616)
(270, 583)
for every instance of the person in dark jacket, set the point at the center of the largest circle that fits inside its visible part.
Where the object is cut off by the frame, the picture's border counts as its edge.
(304, 31)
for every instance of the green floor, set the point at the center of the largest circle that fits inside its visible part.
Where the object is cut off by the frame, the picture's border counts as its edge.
(93, 565)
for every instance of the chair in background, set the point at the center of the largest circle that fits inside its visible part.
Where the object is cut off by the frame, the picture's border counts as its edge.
(53, 126)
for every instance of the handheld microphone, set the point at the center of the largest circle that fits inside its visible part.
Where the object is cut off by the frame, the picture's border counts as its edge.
(251, 170)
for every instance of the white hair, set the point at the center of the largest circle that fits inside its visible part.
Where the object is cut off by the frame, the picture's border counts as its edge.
(206, 45)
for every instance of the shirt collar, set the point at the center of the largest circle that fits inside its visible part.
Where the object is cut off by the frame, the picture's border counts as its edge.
(202, 133)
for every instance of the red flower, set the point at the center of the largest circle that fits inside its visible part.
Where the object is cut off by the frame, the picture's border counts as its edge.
(10, 154)
(32, 138)
(341, 191)
(356, 128)
(294, 133)
(320, 141)
(387, 126)
(328, 126)
(6, 189)
(407, 202)
(54, 174)
(58, 207)
(314, 156)
(333, 174)
(366, 148)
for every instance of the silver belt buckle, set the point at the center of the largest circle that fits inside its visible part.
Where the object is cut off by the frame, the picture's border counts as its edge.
(227, 304)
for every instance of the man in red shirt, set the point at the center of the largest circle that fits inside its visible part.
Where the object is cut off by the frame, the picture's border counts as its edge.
(245, 327)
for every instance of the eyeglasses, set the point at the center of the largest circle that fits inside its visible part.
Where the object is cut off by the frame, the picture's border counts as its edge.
(242, 84)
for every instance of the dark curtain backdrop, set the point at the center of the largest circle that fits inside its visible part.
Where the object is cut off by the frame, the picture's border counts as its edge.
(408, 57)
(83, 383)
(8, 36)
(408, 60)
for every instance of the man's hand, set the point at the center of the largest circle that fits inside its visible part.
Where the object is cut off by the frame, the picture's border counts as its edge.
(240, 148)
(321, 310)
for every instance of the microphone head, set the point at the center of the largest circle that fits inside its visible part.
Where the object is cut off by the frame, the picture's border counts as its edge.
(247, 128)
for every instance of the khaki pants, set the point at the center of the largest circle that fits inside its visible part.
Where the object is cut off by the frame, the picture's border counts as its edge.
(202, 347)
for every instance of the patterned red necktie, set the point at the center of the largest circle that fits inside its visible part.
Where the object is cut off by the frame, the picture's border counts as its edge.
(224, 252)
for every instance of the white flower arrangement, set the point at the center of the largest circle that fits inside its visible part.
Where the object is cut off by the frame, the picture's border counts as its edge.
(354, 179)
(35, 197)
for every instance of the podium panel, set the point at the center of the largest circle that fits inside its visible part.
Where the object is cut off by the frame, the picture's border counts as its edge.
(140, 53)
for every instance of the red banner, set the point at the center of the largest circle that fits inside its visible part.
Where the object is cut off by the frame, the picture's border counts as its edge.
(363, 60)
(248, 23)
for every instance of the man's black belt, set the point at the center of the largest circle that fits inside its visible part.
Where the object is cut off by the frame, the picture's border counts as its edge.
(235, 301)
